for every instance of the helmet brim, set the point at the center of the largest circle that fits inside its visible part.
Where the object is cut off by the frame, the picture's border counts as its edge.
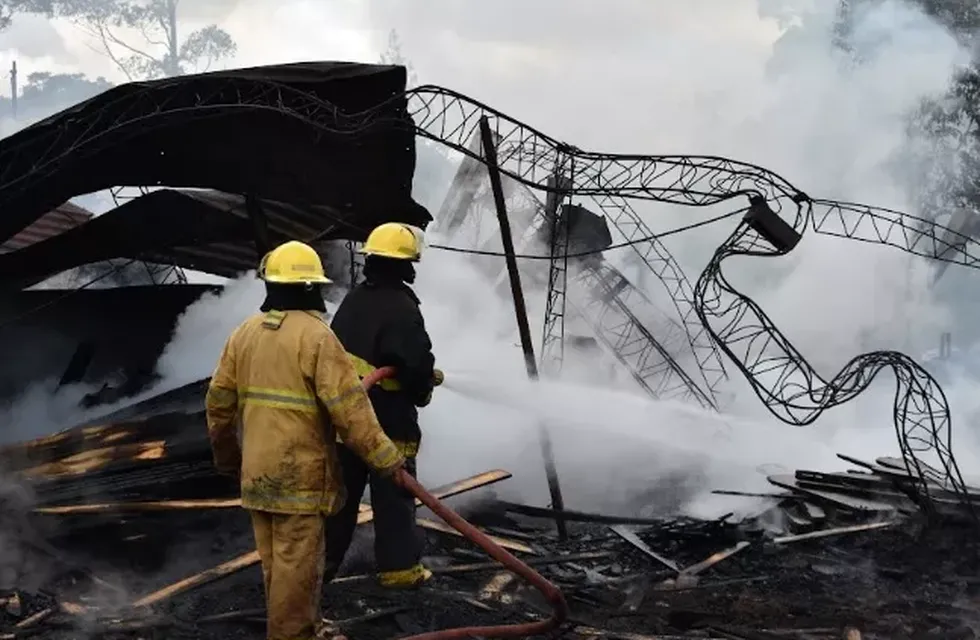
(313, 280)
(390, 256)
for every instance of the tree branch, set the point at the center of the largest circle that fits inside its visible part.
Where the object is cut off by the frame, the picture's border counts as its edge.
(162, 23)
(106, 49)
(105, 32)
(149, 38)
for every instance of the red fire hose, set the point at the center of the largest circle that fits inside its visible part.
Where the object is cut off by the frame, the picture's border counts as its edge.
(551, 593)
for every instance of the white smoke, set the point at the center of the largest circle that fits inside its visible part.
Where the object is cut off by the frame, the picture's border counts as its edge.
(785, 99)
(203, 328)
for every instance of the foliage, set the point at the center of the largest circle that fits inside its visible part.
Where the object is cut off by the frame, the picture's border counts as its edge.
(163, 52)
(960, 16)
(46, 93)
(945, 131)
(61, 88)
(940, 167)
(393, 56)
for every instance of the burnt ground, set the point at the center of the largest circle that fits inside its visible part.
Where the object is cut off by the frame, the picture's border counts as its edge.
(65, 574)
(904, 581)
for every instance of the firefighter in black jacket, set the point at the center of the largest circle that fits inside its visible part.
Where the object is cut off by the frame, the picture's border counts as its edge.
(379, 323)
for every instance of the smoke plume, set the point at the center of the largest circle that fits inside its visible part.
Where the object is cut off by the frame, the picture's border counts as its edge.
(769, 89)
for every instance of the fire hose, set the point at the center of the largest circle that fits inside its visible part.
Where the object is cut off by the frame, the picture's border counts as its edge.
(547, 589)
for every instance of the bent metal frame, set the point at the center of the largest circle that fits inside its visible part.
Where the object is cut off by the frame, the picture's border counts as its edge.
(778, 216)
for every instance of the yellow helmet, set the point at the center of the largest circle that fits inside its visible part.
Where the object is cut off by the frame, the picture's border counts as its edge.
(395, 240)
(292, 263)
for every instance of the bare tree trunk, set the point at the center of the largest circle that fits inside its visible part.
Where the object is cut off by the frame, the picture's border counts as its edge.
(173, 57)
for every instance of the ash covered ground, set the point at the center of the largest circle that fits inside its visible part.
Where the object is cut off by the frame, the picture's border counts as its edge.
(906, 580)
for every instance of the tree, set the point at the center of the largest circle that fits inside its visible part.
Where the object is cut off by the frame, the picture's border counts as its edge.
(393, 55)
(10, 7)
(433, 169)
(941, 164)
(163, 52)
(47, 89)
(46, 93)
(946, 130)
(962, 17)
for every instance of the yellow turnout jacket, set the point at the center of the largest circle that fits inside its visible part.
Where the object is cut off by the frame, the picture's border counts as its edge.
(293, 385)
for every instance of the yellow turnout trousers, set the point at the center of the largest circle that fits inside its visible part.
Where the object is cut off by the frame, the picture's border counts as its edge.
(292, 551)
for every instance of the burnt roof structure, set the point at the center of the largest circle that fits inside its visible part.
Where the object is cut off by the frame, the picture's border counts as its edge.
(291, 133)
(58, 220)
(207, 231)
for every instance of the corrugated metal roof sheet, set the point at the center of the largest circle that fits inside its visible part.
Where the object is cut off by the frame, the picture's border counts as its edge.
(204, 231)
(59, 220)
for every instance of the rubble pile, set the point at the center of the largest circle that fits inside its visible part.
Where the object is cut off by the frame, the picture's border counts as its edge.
(114, 531)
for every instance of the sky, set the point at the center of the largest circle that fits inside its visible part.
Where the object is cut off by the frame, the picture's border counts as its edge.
(595, 62)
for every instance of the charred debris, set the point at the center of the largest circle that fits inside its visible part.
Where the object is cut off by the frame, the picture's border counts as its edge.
(121, 528)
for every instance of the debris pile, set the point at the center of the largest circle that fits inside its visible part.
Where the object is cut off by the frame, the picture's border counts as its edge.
(879, 491)
(123, 530)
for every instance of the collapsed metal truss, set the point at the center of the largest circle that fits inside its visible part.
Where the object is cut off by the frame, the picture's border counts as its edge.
(922, 418)
(620, 316)
(157, 273)
(609, 303)
(532, 158)
(786, 383)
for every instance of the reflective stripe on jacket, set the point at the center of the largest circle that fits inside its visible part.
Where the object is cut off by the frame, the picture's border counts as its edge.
(289, 379)
(409, 448)
(365, 368)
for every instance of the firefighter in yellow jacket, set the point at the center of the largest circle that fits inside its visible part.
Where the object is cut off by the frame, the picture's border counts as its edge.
(286, 375)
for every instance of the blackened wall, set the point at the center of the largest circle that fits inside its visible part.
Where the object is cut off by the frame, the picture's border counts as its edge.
(126, 329)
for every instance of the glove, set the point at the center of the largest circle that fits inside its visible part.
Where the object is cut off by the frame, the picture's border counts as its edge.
(438, 377)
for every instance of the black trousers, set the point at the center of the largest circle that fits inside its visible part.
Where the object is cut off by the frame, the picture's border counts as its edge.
(397, 541)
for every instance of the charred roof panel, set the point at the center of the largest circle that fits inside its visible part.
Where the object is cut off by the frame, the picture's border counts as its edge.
(128, 327)
(61, 219)
(206, 231)
(316, 133)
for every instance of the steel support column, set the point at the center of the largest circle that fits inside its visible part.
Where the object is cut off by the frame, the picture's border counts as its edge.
(520, 309)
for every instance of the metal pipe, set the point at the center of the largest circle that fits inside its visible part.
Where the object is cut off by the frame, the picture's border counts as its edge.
(520, 310)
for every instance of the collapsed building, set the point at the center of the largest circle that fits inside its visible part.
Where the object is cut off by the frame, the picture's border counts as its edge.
(232, 163)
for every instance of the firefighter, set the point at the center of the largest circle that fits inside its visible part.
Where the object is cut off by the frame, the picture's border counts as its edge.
(288, 377)
(379, 323)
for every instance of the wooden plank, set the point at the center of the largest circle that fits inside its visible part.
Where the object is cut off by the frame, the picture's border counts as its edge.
(71, 608)
(447, 491)
(713, 559)
(366, 515)
(848, 502)
(897, 472)
(136, 507)
(931, 473)
(815, 512)
(899, 501)
(890, 485)
(95, 459)
(630, 536)
(493, 565)
(856, 461)
(824, 533)
(442, 527)
(223, 570)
